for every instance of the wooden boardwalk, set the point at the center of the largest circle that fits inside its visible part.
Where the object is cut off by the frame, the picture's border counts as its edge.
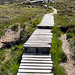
(35, 65)
(40, 38)
(47, 21)
(41, 64)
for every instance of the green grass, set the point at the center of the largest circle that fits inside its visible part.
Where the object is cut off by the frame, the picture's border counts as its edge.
(16, 13)
(57, 54)
(10, 67)
(65, 19)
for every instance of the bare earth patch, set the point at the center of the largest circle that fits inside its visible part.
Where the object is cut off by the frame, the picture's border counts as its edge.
(10, 36)
(70, 68)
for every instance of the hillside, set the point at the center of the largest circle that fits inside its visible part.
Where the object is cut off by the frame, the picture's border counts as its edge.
(21, 19)
(62, 0)
(10, 1)
(16, 20)
(65, 28)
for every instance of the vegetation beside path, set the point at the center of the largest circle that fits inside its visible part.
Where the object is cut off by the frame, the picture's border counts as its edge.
(25, 16)
(64, 24)
(28, 20)
(57, 55)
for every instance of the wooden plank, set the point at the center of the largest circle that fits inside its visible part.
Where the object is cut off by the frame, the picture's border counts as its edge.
(38, 35)
(45, 38)
(26, 61)
(33, 71)
(44, 30)
(39, 39)
(34, 74)
(43, 33)
(32, 41)
(48, 59)
(46, 24)
(37, 56)
(36, 64)
(34, 67)
(37, 45)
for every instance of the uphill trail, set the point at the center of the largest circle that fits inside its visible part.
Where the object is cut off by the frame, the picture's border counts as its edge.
(36, 59)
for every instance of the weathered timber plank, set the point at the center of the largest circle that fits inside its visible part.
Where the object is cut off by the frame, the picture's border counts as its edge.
(43, 33)
(25, 61)
(34, 67)
(34, 74)
(37, 39)
(38, 35)
(36, 64)
(41, 38)
(32, 41)
(37, 45)
(33, 71)
(48, 20)
(36, 58)
(44, 30)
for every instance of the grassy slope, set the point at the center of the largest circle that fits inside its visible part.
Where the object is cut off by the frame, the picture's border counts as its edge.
(66, 20)
(27, 18)
(10, 1)
(12, 14)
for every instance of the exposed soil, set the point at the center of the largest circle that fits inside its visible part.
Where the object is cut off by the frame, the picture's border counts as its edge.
(10, 36)
(69, 65)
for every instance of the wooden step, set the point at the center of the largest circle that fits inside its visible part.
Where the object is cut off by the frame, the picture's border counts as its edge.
(37, 56)
(36, 64)
(32, 41)
(24, 61)
(34, 74)
(33, 71)
(34, 45)
(43, 33)
(35, 67)
(42, 30)
(48, 59)
(39, 39)
(41, 36)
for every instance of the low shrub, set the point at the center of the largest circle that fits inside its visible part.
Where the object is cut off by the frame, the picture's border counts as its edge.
(57, 31)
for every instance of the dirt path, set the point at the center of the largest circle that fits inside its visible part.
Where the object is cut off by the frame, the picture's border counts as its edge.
(70, 69)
